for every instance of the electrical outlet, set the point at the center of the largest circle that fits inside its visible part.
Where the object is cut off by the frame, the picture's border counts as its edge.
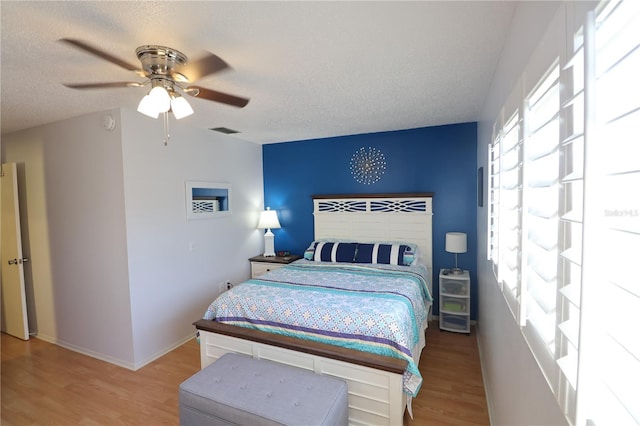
(229, 285)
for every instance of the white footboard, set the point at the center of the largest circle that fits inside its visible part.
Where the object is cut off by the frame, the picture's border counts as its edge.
(375, 396)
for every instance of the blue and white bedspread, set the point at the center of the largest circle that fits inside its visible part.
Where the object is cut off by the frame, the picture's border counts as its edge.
(372, 308)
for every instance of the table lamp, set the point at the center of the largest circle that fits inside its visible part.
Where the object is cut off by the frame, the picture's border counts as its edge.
(456, 242)
(268, 220)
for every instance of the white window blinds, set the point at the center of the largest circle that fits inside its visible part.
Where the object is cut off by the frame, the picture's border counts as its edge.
(609, 362)
(494, 199)
(510, 208)
(565, 219)
(571, 226)
(541, 201)
(505, 208)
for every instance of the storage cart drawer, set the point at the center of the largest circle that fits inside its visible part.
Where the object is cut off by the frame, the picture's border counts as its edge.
(455, 304)
(456, 287)
(454, 322)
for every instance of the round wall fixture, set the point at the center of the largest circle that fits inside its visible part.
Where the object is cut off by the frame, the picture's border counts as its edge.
(108, 122)
(368, 165)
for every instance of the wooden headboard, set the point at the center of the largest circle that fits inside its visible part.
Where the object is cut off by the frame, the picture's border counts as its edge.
(402, 217)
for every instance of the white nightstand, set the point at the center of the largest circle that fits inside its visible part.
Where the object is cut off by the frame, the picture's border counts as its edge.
(261, 264)
(455, 302)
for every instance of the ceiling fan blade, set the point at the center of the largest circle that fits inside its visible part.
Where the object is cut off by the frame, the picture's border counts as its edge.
(213, 95)
(195, 70)
(100, 53)
(109, 85)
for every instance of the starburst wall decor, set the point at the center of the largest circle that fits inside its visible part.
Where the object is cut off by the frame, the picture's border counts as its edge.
(368, 165)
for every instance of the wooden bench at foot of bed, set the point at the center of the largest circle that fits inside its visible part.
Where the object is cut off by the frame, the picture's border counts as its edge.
(374, 381)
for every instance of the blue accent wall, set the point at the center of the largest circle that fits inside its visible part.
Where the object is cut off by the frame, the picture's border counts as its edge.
(439, 159)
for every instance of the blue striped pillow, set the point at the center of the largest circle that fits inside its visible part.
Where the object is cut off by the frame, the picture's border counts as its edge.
(389, 254)
(327, 251)
(377, 253)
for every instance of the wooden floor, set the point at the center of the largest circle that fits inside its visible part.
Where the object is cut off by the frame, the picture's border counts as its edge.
(452, 390)
(44, 384)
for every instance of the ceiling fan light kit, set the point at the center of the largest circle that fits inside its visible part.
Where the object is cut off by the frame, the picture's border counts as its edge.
(160, 97)
(166, 69)
(163, 98)
(147, 107)
(180, 107)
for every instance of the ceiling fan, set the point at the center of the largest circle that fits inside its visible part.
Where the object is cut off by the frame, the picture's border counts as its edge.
(169, 73)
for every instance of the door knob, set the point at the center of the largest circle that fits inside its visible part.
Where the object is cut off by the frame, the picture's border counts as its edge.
(23, 260)
(13, 262)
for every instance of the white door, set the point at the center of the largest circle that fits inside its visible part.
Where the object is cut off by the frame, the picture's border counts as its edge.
(14, 305)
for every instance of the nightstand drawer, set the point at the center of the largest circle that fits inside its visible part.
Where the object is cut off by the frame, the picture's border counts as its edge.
(259, 268)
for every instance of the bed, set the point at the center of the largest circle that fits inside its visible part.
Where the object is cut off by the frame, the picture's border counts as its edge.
(319, 313)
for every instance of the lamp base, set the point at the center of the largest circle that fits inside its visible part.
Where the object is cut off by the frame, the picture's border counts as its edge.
(456, 271)
(268, 244)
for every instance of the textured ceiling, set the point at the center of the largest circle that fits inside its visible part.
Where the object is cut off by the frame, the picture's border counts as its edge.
(311, 69)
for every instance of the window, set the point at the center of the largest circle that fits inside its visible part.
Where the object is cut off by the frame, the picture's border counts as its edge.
(540, 217)
(570, 244)
(494, 199)
(564, 219)
(609, 361)
(510, 211)
(505, 181)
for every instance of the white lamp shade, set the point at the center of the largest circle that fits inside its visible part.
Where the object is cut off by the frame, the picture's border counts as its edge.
(147, 107)
(180, 107)
(456, 242)
(161, 99)
(268, 220)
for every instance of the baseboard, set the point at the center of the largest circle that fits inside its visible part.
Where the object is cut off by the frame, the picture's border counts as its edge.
(44, 337)
(484, 378)
(112, 360)
(87, 352)
(165, 351)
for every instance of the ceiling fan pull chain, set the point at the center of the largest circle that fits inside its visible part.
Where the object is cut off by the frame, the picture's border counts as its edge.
(166, 128)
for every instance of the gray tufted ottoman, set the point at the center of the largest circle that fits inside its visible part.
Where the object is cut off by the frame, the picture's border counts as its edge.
(240, 390)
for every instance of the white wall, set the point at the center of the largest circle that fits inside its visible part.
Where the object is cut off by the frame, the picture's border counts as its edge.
(85, 210)
(113, 276)
(171, 285)
(79, 270)
(517, 391)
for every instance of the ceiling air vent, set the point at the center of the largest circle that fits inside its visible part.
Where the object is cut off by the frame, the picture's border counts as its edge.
(225, 130)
